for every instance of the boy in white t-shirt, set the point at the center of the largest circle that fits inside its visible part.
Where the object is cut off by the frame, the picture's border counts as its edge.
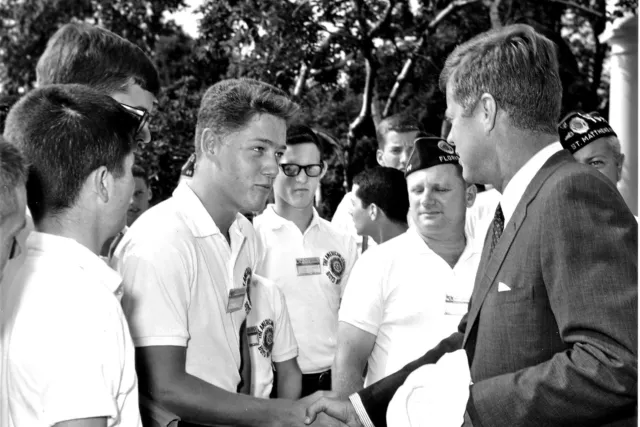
(273, 347)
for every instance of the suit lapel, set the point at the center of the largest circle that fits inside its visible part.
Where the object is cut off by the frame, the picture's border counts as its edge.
(489, 267)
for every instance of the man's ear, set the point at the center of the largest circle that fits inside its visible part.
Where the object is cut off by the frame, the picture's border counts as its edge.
(489, 111)
(209, 142)
(101, 182)
(150, 194)
(379, 158)
(325, 167)
(470, 194)
(373, 211)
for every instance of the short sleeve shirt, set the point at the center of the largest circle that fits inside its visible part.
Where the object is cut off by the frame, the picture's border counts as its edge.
(179, 273)
(408, 297)
(66, 346)
(270, 335)
(311, 269)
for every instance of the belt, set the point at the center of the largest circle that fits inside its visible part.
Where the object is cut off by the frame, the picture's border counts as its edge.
(319, 378)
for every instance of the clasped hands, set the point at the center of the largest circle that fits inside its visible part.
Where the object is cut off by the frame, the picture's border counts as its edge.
(324, 408)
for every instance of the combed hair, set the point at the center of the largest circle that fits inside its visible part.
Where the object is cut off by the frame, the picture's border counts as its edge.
(228, 105)
(93, 56)
(517, 66)
(301, 134)
(387, 188)
(399, 123)
(65, 133)
(13, 173)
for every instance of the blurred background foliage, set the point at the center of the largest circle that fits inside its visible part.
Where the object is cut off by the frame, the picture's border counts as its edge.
(349, 63)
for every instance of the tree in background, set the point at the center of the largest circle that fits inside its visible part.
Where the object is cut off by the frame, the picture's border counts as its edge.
(349, 63)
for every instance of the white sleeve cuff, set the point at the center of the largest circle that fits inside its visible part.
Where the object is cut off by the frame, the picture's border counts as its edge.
(362, 413)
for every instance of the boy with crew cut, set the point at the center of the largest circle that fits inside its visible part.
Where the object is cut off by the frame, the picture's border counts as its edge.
(307, 258)
(66, 346)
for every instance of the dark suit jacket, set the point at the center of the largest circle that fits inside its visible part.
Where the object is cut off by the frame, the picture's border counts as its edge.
(560, 348)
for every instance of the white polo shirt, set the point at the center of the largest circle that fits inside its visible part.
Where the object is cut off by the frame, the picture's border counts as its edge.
(179, 273)
(311, 269)
(271, 337)
(66, 344)
(408, 297)
(480, 215)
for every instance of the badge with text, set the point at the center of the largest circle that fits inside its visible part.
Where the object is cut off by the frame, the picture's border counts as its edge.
(252, 335)
(236, 299)
(308, 266)
(335, 265)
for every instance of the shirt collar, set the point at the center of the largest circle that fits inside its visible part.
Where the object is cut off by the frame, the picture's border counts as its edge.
(275, 221)
(74, 253)
(472, 246)
(516, 187)
(196, 215)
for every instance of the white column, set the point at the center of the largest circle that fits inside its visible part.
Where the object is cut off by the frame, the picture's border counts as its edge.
(622, 36)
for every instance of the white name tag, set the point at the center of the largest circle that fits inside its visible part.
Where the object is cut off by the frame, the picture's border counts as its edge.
(236, 299)
(308, 266)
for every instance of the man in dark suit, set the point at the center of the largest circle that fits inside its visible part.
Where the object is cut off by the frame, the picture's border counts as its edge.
(551, 333)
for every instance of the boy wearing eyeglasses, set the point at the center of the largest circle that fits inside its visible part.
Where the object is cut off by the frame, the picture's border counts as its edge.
(307, 257)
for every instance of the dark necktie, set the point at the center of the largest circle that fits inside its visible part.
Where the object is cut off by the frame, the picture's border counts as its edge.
(497, 228)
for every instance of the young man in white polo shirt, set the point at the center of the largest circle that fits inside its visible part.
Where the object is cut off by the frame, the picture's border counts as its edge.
(407, 294)
(65, 341)
(395, 135)
(188, 261)
(308, 258)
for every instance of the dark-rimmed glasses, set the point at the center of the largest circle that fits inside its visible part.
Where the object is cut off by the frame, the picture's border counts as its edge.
(291, 169)
(140, 113)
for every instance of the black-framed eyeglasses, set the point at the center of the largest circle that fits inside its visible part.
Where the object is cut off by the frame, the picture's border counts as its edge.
(291, 169)
(140, 113)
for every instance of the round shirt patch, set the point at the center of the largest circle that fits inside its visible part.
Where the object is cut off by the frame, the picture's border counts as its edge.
(335, 265)
(265, 337)
(578, 125)
(446, 147)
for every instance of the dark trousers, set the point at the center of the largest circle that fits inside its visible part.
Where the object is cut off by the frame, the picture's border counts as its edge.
(315, 382)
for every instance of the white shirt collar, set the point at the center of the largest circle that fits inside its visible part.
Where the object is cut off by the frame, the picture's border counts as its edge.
(275, 221)
(196, 216)
(516, 187)
(74, 253)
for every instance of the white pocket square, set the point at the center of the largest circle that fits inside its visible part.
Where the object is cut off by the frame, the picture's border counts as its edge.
(503, 288)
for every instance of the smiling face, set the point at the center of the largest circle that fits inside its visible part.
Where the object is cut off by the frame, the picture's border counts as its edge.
(247, 162)
(298, 191)
(437, 199)
(397, 150)
(601, 156)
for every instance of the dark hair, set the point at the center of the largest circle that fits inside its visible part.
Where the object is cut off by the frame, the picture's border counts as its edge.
(399, 123)
(228, 105)
(140, 172)
(301, 134)
(13, 173)
(387, 188)
(96, 57)
(514, 64)
(66, 132)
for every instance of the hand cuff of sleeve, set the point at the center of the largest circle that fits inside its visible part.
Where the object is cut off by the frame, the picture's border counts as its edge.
(362, 413)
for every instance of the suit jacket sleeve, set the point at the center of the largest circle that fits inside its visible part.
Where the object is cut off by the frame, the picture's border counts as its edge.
(588, 257)
(377, 396)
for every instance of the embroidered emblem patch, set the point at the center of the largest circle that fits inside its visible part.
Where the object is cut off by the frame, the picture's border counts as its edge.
(578, 125)
(444, 146)
(335, 265)
(265, 337)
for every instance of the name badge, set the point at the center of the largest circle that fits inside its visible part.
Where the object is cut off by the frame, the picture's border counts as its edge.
(236, 299)
(252, 335)
(308, 266)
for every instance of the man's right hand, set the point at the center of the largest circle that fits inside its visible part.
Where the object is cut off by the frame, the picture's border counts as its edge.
(341, 410)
